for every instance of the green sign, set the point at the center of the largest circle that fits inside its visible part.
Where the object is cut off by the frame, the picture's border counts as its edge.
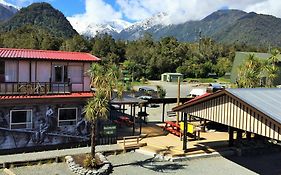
(109, 129)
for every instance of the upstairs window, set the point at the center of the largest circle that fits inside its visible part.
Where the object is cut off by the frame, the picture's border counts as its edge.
(2, 71)
(60, 73)
(21, 119)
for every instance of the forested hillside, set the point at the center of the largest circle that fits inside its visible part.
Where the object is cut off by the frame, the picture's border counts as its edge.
(41, 15)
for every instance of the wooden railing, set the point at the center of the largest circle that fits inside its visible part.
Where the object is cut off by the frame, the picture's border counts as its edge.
(34, 88)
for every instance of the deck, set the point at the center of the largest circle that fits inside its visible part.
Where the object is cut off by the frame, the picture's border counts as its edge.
(34, 88)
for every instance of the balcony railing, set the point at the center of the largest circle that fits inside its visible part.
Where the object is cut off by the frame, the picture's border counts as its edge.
(34, 88)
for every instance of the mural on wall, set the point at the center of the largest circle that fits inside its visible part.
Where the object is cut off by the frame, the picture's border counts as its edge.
(40, 126)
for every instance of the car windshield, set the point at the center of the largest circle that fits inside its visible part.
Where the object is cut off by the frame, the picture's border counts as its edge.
(146, 89)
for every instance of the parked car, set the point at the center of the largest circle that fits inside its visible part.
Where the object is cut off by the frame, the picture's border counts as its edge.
(146, 89)
(144, 97)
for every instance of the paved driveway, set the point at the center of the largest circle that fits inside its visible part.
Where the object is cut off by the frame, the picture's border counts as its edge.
(141, 164)
(136, 163)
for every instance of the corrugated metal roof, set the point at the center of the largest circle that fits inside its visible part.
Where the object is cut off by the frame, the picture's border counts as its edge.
(266, 100)
(8, 53)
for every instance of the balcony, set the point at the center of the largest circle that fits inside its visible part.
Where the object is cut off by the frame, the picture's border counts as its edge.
(34, 88)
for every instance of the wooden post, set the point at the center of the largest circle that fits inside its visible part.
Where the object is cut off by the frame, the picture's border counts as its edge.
(163, 113)
(134, 118)
(230, 132)
(204, 125)
(239, 135)
(248, 135)
(184, 147)
(178, 100)
(140, 117)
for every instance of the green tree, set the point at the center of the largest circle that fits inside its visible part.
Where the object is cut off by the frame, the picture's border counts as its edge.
(271, 68)
(161, 92)
(76, 44)
(250, 72)
(104, 79)
(223, 65)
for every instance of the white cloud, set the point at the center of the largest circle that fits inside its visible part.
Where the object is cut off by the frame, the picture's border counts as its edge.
(183, 10)
(97, 12)
(272, 7)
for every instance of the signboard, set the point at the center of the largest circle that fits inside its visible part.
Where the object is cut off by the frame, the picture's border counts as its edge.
(109, 129)
(190, 127)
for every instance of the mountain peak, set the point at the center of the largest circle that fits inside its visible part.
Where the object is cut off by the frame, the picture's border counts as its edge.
(225, 13)
(42, 15)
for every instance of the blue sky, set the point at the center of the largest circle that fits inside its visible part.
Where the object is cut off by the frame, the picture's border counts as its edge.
(68, 7)
(135, 10)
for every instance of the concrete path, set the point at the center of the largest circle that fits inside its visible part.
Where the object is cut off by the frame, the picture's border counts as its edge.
(45, 155)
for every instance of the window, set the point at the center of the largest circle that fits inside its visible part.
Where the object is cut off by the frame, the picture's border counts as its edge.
(2, 71)
(67, 116)
(60, 73)
(20, 119)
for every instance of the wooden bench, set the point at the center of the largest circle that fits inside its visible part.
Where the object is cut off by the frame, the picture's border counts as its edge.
(132, 142)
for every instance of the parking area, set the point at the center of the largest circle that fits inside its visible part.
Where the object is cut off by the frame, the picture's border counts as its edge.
(138, 163)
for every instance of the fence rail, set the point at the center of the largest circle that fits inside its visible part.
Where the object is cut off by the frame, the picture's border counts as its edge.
(34, 88)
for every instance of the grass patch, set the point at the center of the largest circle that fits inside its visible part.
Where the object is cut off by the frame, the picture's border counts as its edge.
(208, 80)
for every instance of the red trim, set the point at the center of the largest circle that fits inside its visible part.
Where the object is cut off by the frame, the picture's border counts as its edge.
(10, 53)
(72, 95)
(198, 97)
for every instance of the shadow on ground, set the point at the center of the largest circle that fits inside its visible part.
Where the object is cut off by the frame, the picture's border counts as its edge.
(267, 164)
(155, 165)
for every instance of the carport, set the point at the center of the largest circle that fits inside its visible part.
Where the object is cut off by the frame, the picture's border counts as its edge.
(254, 111)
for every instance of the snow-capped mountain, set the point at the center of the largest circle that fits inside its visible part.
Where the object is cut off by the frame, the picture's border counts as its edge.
(118, 27)
(7, 10)
(9, 6)
(138, 29)
(158, 19)
(91, 28)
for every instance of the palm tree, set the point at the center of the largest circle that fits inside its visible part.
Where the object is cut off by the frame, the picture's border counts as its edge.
(104, 79)
(96, 108)
(271, 69)
(249, 73)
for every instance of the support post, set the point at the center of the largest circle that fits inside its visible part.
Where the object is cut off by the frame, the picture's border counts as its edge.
(163, 113)
(230, 132)
(134, 118)
(248, 135)
(140, 117)
(239, 135)
(184, 147)
(131, 110)
(178, 100)
(204, 125)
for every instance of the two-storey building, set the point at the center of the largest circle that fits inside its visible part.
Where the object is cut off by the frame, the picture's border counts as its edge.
(42, 94)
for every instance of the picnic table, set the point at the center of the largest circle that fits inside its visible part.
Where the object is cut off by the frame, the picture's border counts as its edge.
(173, 128)
(123, 120)
(177, 129)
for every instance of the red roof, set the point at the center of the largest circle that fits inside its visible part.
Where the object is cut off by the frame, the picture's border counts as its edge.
(46, 55)
(72, 95)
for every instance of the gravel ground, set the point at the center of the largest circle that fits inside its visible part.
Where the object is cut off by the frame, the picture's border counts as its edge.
(141, 164)
(45, 169)
(136, 163)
